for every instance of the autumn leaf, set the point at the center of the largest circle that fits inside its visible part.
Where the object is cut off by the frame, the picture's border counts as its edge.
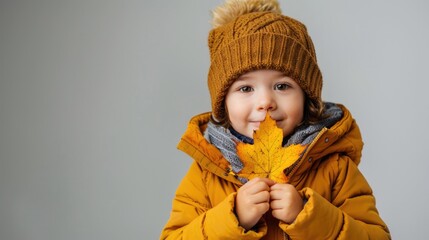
(266, 157)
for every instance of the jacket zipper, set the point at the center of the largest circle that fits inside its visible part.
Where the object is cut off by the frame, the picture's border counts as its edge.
(306, 151)
(294, 168)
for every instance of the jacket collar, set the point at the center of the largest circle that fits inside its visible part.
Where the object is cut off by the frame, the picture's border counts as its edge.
(207, 155)
(343, 137)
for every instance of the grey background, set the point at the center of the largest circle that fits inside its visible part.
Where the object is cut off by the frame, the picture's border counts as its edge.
(94, 96)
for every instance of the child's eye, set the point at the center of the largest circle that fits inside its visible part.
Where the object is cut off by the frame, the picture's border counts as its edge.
(281, 86)
(245, 89)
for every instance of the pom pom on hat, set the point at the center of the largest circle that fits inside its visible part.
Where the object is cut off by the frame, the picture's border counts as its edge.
(235, 8)
(253, 35)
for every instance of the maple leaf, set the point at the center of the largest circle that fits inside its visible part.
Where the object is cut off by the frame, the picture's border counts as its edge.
(266, 157)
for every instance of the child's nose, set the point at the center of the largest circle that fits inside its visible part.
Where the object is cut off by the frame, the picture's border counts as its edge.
(266, 102)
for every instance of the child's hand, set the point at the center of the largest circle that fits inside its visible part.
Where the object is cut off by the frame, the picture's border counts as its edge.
(286, 202)
(253, 200)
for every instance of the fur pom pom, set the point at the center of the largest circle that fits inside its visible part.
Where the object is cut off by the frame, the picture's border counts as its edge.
(235, 8)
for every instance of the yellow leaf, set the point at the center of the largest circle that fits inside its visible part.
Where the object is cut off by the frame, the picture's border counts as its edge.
(266, 157)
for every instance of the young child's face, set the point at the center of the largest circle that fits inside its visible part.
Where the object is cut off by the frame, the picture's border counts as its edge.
(254, 93)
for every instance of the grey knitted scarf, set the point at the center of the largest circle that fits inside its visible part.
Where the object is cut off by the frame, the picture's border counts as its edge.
(226, 142)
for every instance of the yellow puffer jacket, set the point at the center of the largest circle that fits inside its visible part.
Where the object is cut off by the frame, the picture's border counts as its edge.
(340, 204)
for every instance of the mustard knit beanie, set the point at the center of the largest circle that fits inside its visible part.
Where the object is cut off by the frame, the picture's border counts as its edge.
(251, 35)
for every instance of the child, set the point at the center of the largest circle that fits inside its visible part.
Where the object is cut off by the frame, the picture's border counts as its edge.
(263, 62)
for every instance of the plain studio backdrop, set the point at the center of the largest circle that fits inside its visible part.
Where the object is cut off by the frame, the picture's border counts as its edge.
(95, 95)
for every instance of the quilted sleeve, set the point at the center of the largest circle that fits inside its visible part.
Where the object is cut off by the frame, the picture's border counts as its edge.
(193, 217)
(349, 214)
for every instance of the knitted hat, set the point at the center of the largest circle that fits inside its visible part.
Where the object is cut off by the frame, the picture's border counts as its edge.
(252, 35)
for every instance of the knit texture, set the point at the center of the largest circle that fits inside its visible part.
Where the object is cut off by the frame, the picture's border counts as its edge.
(226, 141)
(306, 133)
(261, 40)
